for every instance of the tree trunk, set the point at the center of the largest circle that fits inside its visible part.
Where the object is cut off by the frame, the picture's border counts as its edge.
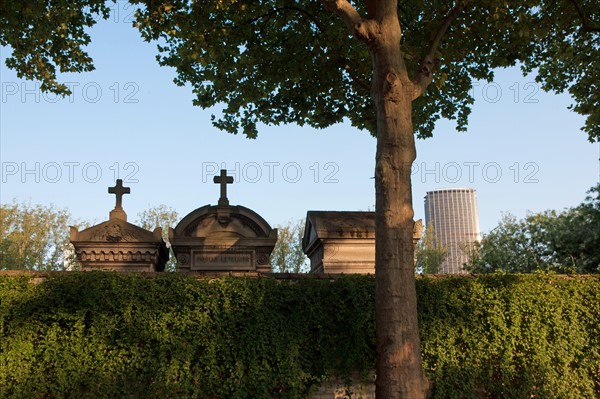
(399, 368)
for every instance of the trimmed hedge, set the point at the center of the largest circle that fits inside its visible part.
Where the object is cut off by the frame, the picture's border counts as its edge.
(113, 335)
(511, 336)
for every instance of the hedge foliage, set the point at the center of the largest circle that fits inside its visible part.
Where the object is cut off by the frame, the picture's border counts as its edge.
(511, 336)
(110, 335)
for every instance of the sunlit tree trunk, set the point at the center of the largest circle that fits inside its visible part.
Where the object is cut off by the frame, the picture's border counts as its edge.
(399, 368)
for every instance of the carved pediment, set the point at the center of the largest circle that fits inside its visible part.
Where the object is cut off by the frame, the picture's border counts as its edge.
(115, 231)
(210, 226)
(231, 222)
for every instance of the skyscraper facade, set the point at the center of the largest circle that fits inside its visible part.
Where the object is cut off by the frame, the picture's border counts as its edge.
(452, 213)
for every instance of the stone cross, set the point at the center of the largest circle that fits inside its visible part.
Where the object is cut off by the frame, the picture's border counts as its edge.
(223, 180)
(119, 190)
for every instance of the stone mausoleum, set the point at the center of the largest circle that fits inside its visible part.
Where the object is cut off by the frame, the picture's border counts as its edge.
(343, 242)
(118, 245)
(223, 237)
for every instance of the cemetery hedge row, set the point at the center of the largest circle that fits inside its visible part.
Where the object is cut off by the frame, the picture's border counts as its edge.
(108, 335)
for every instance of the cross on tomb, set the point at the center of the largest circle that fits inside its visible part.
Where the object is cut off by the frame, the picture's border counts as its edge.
(119, 190)
(223, 180)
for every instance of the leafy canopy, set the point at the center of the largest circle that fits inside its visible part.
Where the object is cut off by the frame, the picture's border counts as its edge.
(285, 61)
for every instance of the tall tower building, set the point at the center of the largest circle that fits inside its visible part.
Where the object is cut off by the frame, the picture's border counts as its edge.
(452, 212)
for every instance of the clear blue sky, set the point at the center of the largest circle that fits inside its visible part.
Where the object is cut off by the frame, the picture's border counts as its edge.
(524, 149)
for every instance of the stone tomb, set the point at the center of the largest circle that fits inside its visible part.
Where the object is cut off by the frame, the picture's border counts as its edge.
(118, 245)
(340, 242)
(343, 242)
(223, 238)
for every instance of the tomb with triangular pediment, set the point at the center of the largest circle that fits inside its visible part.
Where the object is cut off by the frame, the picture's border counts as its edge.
(118, 245)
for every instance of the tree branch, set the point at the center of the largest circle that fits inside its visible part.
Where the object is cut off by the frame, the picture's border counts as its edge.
(355, 24)
(277, 10)
(429, 63)
(344, 10)
(404, 21)
(439, 35)
(310, 16)
(585, 22)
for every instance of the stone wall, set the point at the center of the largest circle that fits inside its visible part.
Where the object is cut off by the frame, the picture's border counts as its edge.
(336, 389)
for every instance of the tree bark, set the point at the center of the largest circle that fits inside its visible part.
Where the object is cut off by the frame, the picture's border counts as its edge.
(399, 369)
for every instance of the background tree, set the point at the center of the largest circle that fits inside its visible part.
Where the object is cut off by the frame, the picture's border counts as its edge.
(164, 217)
(34, 237)
(564, 242)
(430, 254)
(371, 62)
(584, 246)
(505, 248)
(288, 256)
